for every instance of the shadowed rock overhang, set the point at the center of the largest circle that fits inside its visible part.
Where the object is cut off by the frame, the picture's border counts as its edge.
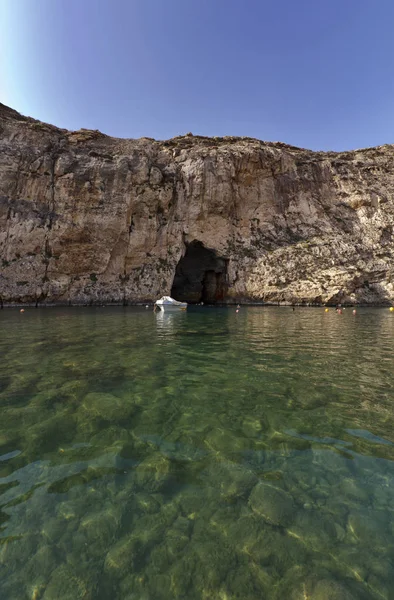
(200, 276)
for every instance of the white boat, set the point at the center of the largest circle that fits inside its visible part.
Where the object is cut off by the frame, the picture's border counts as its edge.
(166, 303)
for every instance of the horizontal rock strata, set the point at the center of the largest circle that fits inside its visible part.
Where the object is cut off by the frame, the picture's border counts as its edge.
(86, 218)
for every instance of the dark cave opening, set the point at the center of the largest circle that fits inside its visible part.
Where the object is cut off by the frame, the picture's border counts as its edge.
(200, 276)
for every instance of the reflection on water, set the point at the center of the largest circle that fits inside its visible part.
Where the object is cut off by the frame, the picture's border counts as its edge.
(166, 322)
(205, 454)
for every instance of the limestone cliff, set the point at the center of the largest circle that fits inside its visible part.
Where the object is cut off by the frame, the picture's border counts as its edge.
(86, 218)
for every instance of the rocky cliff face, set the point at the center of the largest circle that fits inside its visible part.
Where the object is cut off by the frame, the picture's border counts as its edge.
(86, 218)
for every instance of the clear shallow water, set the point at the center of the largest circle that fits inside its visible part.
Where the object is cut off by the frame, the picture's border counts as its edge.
(196, 455)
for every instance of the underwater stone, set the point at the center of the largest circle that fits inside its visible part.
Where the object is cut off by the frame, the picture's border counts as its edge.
(153, 473)
(264, 545)
(384, 588)
(73, 389)
(340, 532)
(18, 550)
(350, 488)
(233, 480)
(113, 435)
(354, 560)
(369, 530)
(65, 585)
(100, 530)
(67, 511)
(48, 398)
(121, 557)
(158, 586)
(225, 442)
(314, 529)
(215, 560)
(160, 558)
(182, 576)
(329, 589)
(181, 526)
(192, 500)
(273, 504)
(338, 509)
(241, 584)
(106, 407)
(245, 530)
(176, 538)
(330, 460)
(42, 563)
(148, 503)
(53, 528)
(175, 543)
(50, 434)
(383, 498)
(279, 551)
(381, 567)
(132, 587)
(252, 427)
(150, 529)
(292, 584)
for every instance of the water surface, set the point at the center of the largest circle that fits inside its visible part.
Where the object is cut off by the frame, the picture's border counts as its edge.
(198, 455)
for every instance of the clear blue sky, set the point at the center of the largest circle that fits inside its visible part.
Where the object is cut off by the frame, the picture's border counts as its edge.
(313, 73)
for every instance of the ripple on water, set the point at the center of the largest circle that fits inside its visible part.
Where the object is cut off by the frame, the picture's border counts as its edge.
(203, 455)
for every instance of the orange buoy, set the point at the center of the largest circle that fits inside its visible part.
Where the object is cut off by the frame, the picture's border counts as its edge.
(354, 311)
(22, 310)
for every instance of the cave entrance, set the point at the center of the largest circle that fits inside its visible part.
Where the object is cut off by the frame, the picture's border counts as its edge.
(200, 276)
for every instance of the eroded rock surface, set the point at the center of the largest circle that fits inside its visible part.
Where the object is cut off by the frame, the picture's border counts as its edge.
(86, 218)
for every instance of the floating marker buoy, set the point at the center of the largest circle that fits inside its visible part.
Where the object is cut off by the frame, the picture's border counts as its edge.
(237, 311)
(326, 310)
(339, 311)
(22, 310)
(391, 308)
(354, 311)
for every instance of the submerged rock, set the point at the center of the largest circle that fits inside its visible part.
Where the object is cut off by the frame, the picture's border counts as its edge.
(106, 407)
(121, 558)
(329, 589)
(148, 503)
(314, 529)
(232, 480)
(273, 504)
(153, 473)
(100, 530)
(352, 489)
(370, 528)
(49, 434)
(66, 585)
(43, 563)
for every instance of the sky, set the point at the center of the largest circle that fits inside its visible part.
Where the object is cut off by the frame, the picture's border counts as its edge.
(311, 73)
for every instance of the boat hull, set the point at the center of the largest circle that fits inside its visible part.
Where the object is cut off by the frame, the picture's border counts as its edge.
(172, 307)
(167, 304)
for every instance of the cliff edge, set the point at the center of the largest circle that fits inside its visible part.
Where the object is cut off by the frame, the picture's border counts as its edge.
(86, 218)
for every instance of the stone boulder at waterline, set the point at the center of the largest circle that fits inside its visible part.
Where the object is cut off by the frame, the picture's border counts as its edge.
(86, 218)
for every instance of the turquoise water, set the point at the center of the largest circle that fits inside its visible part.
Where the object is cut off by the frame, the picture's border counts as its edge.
(198, 455)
